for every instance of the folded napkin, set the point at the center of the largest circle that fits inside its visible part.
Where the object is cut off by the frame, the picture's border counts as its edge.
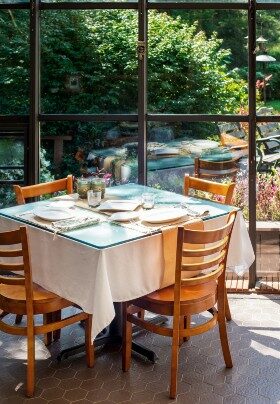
(74, 224)
(67, 197)
(169, 240)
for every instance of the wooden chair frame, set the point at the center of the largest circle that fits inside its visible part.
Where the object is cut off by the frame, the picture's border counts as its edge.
(17, 305)
(215, 169)
(31, 191)
(217, 242)
(215, 188)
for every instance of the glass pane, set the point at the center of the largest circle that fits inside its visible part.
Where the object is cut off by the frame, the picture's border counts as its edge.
(268, 203)
(197, 61)
(89, 61)
(173, 147)
(85, 149)
(268, 62)
(11, 151)
(81, 1)
(7, 195)
(207, 1)
(14, 62)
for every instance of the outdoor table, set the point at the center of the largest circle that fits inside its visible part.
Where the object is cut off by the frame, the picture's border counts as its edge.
(98, 266)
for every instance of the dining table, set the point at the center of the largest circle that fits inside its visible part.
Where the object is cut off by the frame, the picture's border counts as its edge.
(101, 263)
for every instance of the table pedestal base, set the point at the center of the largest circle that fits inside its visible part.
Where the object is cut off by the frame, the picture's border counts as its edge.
(113, 335)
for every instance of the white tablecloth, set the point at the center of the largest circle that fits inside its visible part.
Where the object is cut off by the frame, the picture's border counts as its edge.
(94, 278)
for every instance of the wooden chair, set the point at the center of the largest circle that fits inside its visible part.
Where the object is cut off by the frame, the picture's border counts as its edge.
(31, 191)
(187, 296)
(215, 169)
(216, 188)
(19, 295)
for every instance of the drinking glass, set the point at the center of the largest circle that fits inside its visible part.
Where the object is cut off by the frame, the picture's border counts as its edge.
(148, 200)
(94, 198)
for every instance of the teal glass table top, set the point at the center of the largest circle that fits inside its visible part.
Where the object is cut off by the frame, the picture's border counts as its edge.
(105, 235)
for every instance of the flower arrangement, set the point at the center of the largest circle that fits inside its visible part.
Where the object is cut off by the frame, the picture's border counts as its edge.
(90, 168)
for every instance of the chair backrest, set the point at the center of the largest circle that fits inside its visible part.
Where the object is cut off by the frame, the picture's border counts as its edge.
(17, 243)
(31, 191)
(215, 169)
(270, 129)
(215, 188)
(210, 256)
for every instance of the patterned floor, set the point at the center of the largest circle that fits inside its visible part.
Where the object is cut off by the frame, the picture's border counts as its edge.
(255, 378)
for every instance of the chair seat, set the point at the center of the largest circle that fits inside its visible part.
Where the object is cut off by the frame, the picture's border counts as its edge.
(193, 299)
(13, 299)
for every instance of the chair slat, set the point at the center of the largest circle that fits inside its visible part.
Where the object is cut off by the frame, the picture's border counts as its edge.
(200, 266)
(207, 236)
(214, 275)
(12, 280)
(220, 174)
(11, 267)
(217, 165)
(202, 252)
(10, 237)
(10, 253)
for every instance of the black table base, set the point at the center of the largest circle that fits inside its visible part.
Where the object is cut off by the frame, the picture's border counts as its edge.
(113, 335)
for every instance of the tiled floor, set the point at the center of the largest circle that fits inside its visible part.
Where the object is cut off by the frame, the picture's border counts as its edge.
(255, 378)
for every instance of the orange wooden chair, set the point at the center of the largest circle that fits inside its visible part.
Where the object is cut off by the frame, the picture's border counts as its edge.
(216, 188)
(31, 191)
(187, 296)
(215, 169)
(19, 295)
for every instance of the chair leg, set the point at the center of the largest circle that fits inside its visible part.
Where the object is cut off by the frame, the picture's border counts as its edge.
(187, 324)
(227, 309)
(30, 359)
(18, 319)
(57, 333)
(174, 365)
(3, 314)
(88, 342)
(182, 326)
(47, 319)
(127, 340)
(223, 330)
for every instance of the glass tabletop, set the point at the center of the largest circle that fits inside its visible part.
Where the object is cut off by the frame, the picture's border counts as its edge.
(106, 234)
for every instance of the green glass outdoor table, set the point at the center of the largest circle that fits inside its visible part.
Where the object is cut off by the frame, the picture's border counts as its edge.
(109, 234)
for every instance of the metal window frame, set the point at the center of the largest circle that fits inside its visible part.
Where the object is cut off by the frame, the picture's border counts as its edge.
(35, 116)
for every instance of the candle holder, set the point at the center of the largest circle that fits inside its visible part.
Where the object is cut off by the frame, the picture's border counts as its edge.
(83, 186)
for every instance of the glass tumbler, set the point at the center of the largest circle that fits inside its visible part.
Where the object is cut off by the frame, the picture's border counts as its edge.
(148, 200)
(94, 198)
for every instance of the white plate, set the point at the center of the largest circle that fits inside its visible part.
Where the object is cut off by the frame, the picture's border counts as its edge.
(124, 216)
(163, 215)
(62, 204)
(53, 214)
